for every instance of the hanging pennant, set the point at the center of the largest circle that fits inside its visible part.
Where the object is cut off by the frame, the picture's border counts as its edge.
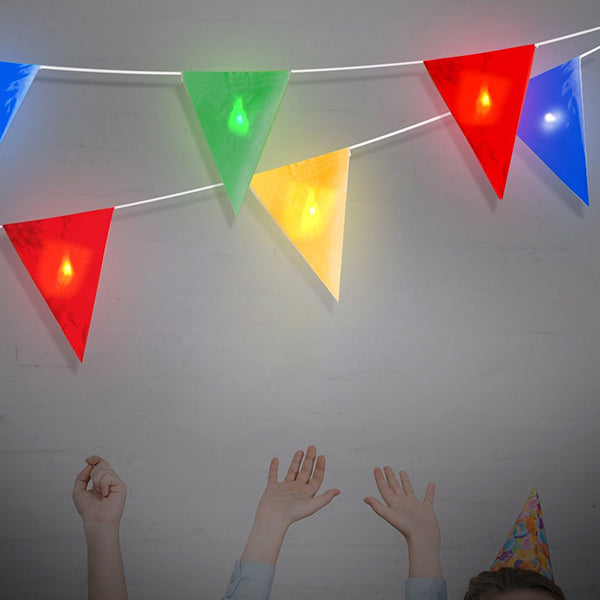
(526, 546)
(552, 124)
(64, 257)
(485, 94)
(236, 111)
(15, 80)
(308, 201)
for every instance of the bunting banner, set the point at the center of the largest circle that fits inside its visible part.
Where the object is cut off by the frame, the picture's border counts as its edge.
(552, 124)
(489, 95)
(236, 111)
(15, 81)
(526, 546)
(64, 257)
(308, 201)
(485, 93)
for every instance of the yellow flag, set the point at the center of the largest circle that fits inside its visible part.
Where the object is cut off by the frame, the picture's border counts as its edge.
(308, 201)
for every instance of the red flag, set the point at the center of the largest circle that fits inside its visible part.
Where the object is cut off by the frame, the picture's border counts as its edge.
(64, 258)
(485, 93)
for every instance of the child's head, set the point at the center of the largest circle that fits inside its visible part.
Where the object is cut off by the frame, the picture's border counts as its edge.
(512, 584)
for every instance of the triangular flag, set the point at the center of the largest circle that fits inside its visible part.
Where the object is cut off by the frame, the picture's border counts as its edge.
(15, 80)
(485, 94)
(236, 111)
(308, 201)
(552, 124)
(527, 546)
(64, 258)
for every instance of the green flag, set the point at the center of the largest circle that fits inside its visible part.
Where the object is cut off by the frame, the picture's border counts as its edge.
(236, 111)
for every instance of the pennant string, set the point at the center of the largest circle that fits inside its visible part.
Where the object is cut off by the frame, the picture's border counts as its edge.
(108, 71)
(398, 132)
(589, 52)
(177, 195)
(357, 68)
(567, 37)
(304, 71)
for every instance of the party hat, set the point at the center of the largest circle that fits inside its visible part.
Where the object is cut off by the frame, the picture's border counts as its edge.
(526, 546)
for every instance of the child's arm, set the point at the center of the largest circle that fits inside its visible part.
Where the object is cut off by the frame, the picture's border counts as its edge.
(101, 508)
(282, 503)
(417, 522)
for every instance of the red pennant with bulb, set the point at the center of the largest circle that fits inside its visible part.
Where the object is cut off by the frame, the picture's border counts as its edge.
(485, 94)
(64, 257)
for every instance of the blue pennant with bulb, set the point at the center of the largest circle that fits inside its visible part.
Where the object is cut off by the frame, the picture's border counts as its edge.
(552, 124)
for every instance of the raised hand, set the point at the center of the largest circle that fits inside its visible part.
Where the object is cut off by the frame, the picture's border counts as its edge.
(101, 508)
(285, 502)
(414, 519)
(295, 497)
(104, 502)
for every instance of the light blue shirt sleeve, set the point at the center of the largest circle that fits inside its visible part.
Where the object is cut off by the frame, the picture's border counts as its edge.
(425, 588)
(250, 580)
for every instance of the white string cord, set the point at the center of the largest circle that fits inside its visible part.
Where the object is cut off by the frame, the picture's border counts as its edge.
(589, 52)
(398, 132)
(108, 71)
(356, 68)
(177, 195)
(303, 71)
(159, 198)
(567, 37)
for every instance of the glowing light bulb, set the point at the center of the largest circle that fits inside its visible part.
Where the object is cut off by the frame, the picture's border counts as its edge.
(238, 122)
(311, 218)
(484, 102)
(550, 118)
(65, 272)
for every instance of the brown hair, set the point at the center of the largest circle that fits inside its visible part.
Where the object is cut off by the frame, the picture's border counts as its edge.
(489, 585)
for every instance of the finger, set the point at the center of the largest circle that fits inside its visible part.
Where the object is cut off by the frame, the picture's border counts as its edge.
(82, 479)
(307, 465)
(382, 485)
(96, 460)
(110, 482)
(429, 494)
(392, 481)
(319, 474)
(273, 471)
(324, 499)
(294, 466)
(406, 484)
(97, 473)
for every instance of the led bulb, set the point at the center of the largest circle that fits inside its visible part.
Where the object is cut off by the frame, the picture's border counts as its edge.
(238, 122)
(65, 272)
(484, 102)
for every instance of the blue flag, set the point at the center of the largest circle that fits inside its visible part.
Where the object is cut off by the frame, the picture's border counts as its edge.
(552, 124)
(15, 79)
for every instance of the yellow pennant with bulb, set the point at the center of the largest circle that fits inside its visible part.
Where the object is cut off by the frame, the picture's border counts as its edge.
(307, 199)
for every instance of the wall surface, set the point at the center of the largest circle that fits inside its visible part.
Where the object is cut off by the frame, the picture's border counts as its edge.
(465, 347)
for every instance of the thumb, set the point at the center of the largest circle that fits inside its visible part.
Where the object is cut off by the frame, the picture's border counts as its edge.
(324, 499)
(378, 507)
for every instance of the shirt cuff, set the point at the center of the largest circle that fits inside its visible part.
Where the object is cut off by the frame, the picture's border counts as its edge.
(250, 580)
(425, 588)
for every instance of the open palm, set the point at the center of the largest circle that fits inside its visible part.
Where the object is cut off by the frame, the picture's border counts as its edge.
(295, 497)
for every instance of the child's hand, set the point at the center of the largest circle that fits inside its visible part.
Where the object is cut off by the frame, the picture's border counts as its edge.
(104, 502)
(294, 498)
(284, 502)
(415, 520)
